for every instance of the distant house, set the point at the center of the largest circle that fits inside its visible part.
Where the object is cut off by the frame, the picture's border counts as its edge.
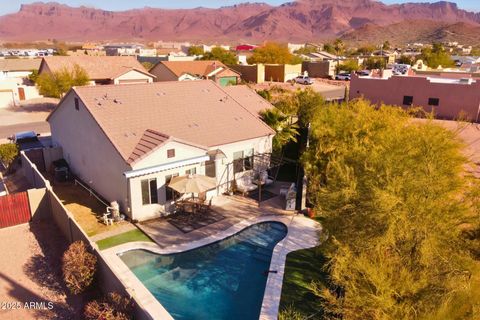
(101, 70)
(195, 70)
(448, 98)
(14, 84)
(127, 142)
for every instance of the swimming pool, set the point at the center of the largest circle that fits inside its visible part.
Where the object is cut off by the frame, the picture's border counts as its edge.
(223, 280)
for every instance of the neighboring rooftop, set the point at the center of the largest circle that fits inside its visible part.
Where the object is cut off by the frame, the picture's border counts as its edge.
(201, 68)
(19, 64)
(138, 118)
(97, 67)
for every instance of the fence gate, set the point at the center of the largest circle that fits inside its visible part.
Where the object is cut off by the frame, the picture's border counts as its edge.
(14, 209)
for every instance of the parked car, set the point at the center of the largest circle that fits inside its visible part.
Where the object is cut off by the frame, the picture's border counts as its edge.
(343, 76)
(363, 73)
(303, 80)
(26, 140)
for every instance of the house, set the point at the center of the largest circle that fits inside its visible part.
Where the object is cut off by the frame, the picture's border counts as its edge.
(101, 70)
(248, 98)
(448, 98)
(14, 83)
(320, 69)
(282, 72)
(128, 142)
(251, 73)
(195, 70)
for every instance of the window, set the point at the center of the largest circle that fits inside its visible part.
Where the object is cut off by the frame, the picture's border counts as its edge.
(77, 104)
(238, 162)
(433, 101)
(242, 160)
(210, 169)
(191, 171)
(248, 159)
(407, 100)
(149, 191)
(170, 153)
(170, 194)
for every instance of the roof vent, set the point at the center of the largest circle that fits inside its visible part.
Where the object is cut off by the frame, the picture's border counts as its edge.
(117, 101)
(161, 94)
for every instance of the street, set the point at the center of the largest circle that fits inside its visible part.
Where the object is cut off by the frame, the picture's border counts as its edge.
(41, 127)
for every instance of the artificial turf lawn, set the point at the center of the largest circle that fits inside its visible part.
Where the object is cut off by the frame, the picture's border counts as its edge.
(301, 268)
(129, 236)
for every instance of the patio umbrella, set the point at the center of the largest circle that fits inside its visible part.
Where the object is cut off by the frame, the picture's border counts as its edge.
(194, 183)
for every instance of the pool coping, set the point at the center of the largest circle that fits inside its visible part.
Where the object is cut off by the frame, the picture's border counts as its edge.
(302, 234)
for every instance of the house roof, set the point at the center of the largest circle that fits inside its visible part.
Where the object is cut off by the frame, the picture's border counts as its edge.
(202, 68)
(139, 118)
(247, 97)
(97, 67)
(19, 64)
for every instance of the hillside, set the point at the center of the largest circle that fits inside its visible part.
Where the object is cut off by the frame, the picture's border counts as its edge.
(302, 20)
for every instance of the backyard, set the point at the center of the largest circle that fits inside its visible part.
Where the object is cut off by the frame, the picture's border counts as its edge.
(86, 209)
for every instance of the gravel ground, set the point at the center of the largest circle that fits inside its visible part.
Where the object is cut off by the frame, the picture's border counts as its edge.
(30, 274)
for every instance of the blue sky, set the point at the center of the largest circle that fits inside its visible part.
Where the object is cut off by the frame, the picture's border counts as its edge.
(13, 5)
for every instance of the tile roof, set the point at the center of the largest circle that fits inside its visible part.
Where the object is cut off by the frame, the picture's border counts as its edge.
(19, 64)
(248, 98)
(97, 67)
(198, 112)
(149, 141)
(201, 68)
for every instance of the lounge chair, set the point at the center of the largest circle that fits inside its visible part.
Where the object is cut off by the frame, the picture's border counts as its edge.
(245, 184)
(264, 180)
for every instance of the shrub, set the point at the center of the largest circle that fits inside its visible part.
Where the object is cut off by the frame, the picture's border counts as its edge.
(78, 267)
(8, 153)
(113, 307)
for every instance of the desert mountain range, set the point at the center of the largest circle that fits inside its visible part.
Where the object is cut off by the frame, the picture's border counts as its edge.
(301, 20)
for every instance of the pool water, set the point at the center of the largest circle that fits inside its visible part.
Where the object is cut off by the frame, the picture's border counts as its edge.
(223, 280)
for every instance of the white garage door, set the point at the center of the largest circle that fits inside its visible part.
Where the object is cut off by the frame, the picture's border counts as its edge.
(6, 99)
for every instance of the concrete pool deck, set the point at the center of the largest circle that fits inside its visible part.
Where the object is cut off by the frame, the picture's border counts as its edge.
(302, 234)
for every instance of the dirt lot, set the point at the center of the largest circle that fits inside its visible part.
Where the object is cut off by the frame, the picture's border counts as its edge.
(330, 89)
(30, 272)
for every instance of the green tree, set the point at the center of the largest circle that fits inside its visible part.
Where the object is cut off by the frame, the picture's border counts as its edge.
(56, 84)
(436, 56)
(306, 50)
(375, 63)
(403, 59)
(8, 153)
(394, 201)
(273, 53)
(387, 45)
(365, 50)
(338, 46)
(222, 55)
(328, 47)
(286, 131)
(33, 76)
(195, 51)
(348, 66)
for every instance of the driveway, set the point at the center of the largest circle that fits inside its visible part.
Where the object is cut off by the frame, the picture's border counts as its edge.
(30, 272)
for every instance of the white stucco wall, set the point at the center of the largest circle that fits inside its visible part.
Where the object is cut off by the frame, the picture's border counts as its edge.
(133, 76)
(158, 157)
(260, 145)
(88, 151)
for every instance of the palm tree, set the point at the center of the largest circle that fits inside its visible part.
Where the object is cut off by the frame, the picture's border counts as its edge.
(285, 130)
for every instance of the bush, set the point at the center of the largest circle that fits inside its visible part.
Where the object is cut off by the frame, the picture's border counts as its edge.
(8, 153)
(113, 307)
(78, 267)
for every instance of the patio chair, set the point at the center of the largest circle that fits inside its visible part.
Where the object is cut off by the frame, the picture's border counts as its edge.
(205, 207)
(264, 180)
(108, 221)
(245, 184)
